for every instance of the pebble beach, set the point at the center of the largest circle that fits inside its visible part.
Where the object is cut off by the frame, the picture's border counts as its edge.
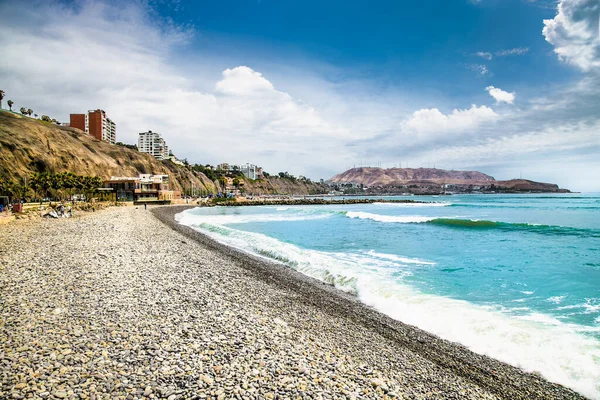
(127, 304)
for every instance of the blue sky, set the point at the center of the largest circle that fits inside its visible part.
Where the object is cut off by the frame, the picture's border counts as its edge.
(507, 87)
(396, 43)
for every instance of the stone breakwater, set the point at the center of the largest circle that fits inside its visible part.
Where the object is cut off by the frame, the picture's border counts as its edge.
(118, 305)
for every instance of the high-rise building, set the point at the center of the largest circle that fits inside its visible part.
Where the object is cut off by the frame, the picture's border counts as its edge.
(96, 124)
(153, 144)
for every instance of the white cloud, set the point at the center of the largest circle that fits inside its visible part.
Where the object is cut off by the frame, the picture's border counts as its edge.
(243, 81)
(546, 150)
(61, 59)
(480, 69)
(484, 54)
(517, 51)
(500, 95)
(574, 33)
(236, 117)
(431, 122)
(554, 139)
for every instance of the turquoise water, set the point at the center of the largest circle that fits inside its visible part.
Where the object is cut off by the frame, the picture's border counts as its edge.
(516, 277)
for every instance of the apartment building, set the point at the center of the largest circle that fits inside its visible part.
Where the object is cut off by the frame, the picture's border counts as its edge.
(153, 144)
(95, 123)
(250, 171)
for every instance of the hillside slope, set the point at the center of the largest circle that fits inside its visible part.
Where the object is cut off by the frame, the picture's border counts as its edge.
(276, 185)
(28, 146)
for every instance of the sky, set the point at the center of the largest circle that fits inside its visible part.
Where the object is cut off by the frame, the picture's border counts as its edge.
(510, 88)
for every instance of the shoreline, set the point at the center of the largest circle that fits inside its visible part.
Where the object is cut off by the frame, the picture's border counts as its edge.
(504, 380)
(127, 303)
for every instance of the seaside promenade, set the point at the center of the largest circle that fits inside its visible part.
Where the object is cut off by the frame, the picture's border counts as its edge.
(117, 304)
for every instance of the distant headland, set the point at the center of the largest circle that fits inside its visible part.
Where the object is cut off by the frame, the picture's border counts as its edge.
(372, 180)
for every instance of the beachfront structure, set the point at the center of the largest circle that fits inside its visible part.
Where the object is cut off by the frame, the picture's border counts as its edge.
(153, 144)
(145, 188)
(95, 123)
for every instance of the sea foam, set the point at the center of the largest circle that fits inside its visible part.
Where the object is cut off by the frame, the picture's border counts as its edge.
(388, 218)
(378, 280)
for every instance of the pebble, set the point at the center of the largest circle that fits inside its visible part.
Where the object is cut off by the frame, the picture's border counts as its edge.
(117, 305)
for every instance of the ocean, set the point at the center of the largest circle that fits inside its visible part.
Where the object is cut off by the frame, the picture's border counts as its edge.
(514, 277)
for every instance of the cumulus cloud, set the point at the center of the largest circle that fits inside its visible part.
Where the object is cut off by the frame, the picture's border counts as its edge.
(243, 81)
(46, 55)
(574, 33)
(431, 122)
(58, 59)
(500, 95)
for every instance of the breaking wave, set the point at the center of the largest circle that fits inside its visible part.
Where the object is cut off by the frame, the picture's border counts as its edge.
(380, 281)
(460, 223)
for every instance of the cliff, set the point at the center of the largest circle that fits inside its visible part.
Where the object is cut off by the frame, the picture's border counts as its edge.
(277, 185)
(29, 145)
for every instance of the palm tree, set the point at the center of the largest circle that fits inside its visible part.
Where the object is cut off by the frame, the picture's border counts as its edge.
(23, 110)
(35, 184)
(56, 183)
(1, 97)
(29, 111)
(69, 182)
(43, 182)
(10, 104)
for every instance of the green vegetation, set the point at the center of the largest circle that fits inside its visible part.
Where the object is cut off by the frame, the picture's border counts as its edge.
(217, 174)
(10, 104)
(58, 186)
(292, 178)
(129, 146)
(220, 199)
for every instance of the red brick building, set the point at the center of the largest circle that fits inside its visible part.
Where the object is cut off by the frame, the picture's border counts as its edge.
(78, 121)
(96, 124)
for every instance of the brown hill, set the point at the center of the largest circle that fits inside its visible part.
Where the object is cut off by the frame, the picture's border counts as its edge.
(524, 185)
(29, 145)
(432, 180)
(369, 176)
